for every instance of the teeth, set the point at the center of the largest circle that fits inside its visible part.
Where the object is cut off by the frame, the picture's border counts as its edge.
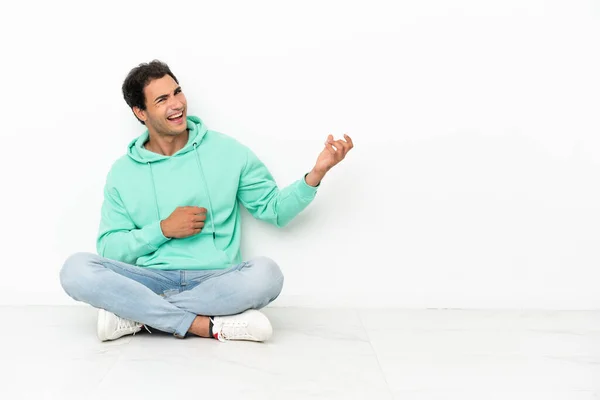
(176, 116)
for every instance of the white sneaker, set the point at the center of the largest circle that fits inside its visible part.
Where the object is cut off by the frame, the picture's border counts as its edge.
(111, 327)
(249, 325)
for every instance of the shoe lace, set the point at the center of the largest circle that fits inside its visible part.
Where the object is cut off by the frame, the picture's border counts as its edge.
(125, 324)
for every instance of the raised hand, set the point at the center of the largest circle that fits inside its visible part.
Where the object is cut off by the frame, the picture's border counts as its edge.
(333, 153)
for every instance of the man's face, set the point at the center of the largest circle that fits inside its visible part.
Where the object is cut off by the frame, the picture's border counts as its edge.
(166, 107)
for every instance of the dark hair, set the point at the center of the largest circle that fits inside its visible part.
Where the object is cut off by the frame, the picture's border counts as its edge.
(138, 78)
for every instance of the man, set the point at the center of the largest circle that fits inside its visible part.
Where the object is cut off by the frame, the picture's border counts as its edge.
(169, 238)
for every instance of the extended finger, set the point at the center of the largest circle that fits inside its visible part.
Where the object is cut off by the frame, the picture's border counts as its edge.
(349, 140)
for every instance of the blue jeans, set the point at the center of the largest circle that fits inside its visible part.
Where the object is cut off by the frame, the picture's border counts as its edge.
(170, 300)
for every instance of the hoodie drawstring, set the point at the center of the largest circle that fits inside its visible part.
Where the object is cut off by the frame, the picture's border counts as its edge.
(210, 209)
(154, 188)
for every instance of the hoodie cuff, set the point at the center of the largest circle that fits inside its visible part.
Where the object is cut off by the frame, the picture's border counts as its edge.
(153, 235)
(305, 190)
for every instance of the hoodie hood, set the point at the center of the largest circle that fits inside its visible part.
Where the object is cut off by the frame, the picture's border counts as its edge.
(137, 152)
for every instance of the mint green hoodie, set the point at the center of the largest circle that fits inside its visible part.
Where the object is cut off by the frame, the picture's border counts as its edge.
(212, 170)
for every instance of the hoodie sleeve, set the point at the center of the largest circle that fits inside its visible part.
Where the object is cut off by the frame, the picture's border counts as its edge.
(259, 193)
(118, 238)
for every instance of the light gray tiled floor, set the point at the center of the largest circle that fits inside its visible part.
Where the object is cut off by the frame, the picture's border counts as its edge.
(53, 353)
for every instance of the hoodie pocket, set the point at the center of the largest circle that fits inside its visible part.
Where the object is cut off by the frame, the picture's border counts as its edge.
(213, 239)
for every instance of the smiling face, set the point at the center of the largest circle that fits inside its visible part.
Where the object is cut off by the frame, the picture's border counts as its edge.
(166, 107)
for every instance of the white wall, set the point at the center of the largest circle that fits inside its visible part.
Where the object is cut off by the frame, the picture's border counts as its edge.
(474, 182)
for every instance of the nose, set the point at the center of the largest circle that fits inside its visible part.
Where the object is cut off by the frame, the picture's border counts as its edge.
(176, 104)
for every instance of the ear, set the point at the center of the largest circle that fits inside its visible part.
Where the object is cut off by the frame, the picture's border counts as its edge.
(141, 114)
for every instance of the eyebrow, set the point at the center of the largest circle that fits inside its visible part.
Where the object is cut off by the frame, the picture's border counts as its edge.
(164, 96)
